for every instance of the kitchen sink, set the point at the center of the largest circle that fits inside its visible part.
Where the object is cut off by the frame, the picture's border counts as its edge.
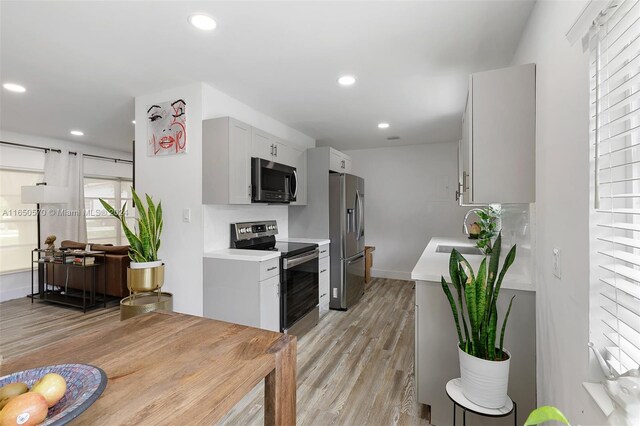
(461, 249)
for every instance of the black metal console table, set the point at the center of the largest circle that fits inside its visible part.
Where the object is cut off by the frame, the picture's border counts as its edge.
(48, 291)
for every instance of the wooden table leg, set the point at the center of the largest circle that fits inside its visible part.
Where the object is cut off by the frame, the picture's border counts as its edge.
(280, 387)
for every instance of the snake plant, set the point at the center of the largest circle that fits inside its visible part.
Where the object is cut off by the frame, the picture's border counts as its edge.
(477, 295)
(145, 243)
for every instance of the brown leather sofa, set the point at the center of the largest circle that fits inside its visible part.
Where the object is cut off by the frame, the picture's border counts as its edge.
(117, 261)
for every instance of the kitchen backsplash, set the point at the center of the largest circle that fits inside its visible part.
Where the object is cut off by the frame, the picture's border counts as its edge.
(516, 225)
(516, 229)
(217, 219)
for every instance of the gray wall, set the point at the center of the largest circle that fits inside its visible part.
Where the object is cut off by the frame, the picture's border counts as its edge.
(562, 208)
(410, 198)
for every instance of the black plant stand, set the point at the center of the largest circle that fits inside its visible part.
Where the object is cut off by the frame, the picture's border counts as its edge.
(454, 392)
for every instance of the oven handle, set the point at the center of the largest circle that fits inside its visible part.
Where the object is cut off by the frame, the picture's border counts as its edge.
(300, 259)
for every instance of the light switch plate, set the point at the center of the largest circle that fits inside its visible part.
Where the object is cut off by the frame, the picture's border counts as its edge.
(186, 215)
(557, 265)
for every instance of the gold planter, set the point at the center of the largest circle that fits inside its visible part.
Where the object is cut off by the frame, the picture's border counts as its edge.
(145, 279)
(142, 303)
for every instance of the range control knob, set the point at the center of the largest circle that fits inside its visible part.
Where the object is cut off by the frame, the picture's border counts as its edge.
(241, 230)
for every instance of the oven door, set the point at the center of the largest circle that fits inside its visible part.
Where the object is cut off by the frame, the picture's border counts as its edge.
(272, 182)
(299, 287)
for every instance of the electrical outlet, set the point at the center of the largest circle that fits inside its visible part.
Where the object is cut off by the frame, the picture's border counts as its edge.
(335, 293)
(557, 265)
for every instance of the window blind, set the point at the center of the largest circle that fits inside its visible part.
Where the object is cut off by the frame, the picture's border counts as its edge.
(615, 135)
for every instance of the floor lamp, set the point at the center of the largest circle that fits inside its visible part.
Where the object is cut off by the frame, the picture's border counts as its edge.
(39, 194)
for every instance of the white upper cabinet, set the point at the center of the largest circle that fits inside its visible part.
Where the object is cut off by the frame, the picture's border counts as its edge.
(339, 162)
(497, 150)
(285, 154)
(226, 161)
(227, 148)
(272, 148)
(262, 144)
(300, 163)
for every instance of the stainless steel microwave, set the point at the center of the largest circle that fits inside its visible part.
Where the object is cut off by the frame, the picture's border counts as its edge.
(273, 182)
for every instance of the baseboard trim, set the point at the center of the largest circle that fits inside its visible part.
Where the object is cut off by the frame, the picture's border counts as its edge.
(14, 293)
(394, 275)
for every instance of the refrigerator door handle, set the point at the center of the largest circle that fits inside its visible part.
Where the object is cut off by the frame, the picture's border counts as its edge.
(361, 210)
(355, 259)
(351, 221)
(359, 218)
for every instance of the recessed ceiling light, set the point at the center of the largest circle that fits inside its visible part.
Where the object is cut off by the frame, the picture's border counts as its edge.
(346, 80)
(12, 87)
(76, 133)
(202, 22)
(133, 122)
(383, 125)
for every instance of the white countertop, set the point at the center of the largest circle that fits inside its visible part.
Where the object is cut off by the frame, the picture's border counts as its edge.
(318, 241)
(239, 254)
(432, 265)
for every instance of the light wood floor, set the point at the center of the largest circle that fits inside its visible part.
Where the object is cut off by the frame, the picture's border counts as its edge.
(355, 368)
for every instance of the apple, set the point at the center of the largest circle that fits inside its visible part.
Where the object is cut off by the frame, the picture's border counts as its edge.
(52, 386)
(11, 390)
(25, 410)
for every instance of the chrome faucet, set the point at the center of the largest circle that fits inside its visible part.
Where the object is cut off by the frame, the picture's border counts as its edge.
(465, 228)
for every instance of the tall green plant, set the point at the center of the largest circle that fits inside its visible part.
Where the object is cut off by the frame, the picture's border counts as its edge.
(145, 243)
(477, 296)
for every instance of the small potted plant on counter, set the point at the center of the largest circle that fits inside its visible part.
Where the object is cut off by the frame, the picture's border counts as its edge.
(146, 272)
(484, 366)
(487, 228)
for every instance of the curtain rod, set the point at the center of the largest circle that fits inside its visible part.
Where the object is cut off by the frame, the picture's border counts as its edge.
(97, 157)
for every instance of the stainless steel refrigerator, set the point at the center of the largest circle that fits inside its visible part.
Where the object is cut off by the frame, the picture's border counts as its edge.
(346, 230)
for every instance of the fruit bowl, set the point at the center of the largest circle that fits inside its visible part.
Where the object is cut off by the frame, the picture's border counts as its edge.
(85, 384)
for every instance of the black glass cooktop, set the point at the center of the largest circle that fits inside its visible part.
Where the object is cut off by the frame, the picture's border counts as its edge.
(293, 249)
(289, 249)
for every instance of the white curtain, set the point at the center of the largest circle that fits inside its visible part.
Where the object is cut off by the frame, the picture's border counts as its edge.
(65, 221)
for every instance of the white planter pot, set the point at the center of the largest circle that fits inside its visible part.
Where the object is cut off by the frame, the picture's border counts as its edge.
(484, 382)
(142, 265)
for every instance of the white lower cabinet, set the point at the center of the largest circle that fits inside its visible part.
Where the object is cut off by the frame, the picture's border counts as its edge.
(324, 285)
(270, 304)
(436, 353)
(325, 278)
(244, 292)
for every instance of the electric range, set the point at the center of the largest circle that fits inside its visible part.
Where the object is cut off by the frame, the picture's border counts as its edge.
(299, 273)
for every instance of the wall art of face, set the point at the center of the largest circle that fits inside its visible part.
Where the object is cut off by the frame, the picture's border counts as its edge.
(167, 128)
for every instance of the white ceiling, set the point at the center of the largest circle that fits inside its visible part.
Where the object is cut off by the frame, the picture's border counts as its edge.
(83, 62)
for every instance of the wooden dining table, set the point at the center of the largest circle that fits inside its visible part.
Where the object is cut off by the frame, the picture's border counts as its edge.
(166, 368)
